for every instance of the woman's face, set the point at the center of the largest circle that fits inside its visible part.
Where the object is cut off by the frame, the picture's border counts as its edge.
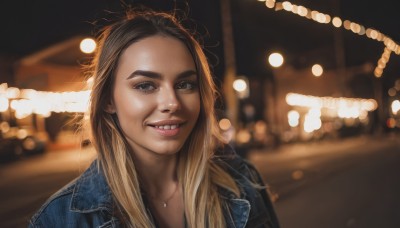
(156, 96)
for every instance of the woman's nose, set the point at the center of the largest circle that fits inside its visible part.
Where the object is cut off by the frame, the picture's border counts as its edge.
(169, 102)
(170, 108)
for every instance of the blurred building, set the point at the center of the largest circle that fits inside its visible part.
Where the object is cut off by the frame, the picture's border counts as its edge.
(60, 69)
(56, 68)
(329, 95)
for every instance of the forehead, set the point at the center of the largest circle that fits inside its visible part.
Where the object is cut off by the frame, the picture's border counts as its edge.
(156, 53)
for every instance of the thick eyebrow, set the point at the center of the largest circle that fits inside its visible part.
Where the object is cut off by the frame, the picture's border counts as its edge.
(155, 75)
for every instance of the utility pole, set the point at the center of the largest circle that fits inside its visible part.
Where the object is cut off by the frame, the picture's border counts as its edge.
(230, 62)
(340, 54)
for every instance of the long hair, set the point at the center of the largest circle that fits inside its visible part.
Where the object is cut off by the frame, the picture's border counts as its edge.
(200, 177)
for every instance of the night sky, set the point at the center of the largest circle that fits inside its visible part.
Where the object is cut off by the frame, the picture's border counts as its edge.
(29, 26)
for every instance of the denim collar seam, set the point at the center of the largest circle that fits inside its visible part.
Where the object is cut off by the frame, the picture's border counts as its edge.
(245, 207)
(77, 192)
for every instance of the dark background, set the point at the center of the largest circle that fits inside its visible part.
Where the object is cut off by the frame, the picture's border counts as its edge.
(29, 26)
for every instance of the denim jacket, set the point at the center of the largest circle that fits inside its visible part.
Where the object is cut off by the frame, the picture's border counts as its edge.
(87, 201)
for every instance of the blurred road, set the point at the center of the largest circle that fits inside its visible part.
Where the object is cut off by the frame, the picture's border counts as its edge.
(333, 184)
(26, 184)
(330, 184)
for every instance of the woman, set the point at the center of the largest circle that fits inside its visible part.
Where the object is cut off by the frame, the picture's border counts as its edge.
(160, 159)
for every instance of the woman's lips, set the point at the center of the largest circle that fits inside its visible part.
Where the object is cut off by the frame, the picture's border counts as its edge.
(168, 130)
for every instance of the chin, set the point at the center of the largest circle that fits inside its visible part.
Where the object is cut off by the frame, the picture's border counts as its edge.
(168, 149)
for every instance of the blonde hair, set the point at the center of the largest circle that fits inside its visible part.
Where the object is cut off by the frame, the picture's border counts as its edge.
(199, 175)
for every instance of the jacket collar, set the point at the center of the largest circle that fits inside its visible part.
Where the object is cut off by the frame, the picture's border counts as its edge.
(238, 211)
(91, 191)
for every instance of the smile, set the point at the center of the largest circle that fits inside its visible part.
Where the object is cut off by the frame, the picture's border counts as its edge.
(167, 127)
(168, 130)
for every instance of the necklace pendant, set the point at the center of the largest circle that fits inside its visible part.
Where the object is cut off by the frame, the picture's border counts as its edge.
(164, 204)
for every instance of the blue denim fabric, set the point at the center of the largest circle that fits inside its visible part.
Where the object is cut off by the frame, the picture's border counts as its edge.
(87, 201)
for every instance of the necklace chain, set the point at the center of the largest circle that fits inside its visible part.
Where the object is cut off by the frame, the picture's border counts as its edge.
(165, 202)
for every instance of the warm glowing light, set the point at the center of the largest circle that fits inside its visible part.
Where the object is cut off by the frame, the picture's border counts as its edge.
(287, 6)
(22, 133)
(314, 15)
(338, 22)
(348, 112)
(302, 11)
(327, 19)
(23, 108)
(340, 107)
(297, 175)
(240, 85)
(89, 82)
(397, 85)
(12, 93)
(260, 127)
(88, 45)
(225, 124)
(3, 87)
(374, 34)
(275, 59)
(270, 3)
(4, 127)
(43, 103)
(320, 17)
(392, 92)
(346, 24)
(3, 104)
(362, 30)
(317, 70)
(311, 123)
(378, 72)
(395, 107)
(243, 136)
(391, 123)
(354, 27)
(293, 118)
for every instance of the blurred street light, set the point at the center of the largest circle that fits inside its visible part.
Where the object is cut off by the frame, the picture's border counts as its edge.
(395, 107)
(317, 70)
(241, 86)
(88, 45)
(3, 104)
(275, 59)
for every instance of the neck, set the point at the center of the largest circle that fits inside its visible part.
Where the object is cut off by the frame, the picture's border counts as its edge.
(158, 174)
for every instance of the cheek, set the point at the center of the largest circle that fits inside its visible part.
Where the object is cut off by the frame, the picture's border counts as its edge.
(193, 105)
(131, 106)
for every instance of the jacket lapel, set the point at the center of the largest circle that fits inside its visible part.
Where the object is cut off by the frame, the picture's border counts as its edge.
(91, 192)
(239, 210)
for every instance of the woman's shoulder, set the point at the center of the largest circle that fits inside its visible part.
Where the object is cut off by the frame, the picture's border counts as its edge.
(76, 201)
(235, 164)
(55, 205)
(252, 187)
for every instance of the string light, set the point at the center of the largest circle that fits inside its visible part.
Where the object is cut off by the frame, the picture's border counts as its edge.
(28, 101)
(390, 45)
(382, 63)
(341, 104)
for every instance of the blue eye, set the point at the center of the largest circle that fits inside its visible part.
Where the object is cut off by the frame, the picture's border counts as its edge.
(145, 87)
(186, 85)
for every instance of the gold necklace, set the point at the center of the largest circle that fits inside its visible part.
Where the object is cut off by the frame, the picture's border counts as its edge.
(165, 202)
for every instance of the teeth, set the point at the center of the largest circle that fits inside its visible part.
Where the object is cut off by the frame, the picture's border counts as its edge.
(168, 127)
